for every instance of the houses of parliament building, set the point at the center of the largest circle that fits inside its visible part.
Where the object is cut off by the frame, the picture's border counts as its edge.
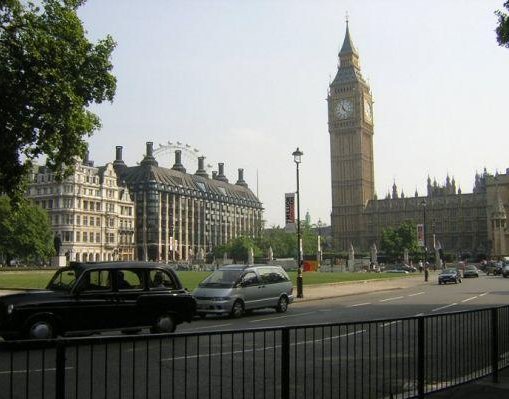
(464, 223)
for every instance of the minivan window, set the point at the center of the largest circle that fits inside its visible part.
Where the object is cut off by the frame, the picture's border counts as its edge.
(250, 278)
(271, 275)
(222, 279)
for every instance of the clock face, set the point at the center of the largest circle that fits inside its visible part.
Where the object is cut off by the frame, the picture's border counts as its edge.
(344, 109)
(368, 112)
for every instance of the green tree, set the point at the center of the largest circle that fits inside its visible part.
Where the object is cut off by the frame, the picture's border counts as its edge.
(49, 75)
(25, 232)
(238, 249)
(502, 29)
(395, 240)
(283, 243)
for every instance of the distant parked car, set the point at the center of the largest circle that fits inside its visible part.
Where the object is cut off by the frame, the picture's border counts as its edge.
(505, 270)
(494, 268)
(470, 271)
(449, 276)
(91, 297)
(402, 266)
(234, 289)
(397, 271)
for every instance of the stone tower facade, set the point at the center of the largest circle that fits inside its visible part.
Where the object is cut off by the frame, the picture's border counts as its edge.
(350, 115)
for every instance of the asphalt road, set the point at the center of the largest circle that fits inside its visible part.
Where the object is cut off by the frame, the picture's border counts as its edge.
(472, 293)
(360, 360)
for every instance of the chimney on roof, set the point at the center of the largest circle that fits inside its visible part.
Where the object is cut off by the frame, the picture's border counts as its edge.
(240, 181)
(86, 159)
(178, 162)
(214, 175)
(118, 163)
(201, 168)
(149, 157)
(118, 153)
(220, 174)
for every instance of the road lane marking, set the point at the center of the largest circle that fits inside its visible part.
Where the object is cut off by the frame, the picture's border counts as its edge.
(24, 371)
(389, 324)
(444, 307)
(359, 304)
(469, 299)
(484, 293)
(273, 347)
(391, 299)
(418, 293)
(198, 328)
(281, 317)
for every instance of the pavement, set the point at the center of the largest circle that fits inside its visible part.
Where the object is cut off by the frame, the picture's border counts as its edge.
(483, 388)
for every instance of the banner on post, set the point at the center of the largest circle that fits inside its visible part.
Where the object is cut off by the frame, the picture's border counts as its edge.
(289, 210)
(420, 235)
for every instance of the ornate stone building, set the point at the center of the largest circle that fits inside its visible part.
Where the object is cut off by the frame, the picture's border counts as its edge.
(145, 212)
(91, 214)
(182, 216)
(473, 223)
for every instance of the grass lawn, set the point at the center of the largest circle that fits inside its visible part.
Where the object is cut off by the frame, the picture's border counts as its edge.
(190, 280)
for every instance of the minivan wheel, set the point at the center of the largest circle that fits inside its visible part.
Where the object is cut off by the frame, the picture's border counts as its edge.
(41, 329)
(237, 309)
(164, 324)
(282, 305)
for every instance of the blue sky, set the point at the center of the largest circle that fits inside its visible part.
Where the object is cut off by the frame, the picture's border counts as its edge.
(245, 82)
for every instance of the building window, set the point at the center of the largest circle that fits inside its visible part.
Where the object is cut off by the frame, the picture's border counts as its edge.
(97, 237)
(78, 236)
(85, 236)
(85, 220)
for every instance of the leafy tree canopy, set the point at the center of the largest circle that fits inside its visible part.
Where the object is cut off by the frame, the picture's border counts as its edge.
(395, 240)
(49, 75)
(502, 29)
(25, 232)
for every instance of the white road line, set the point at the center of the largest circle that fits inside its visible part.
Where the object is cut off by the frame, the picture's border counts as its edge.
(444, 307)
(484, 293)
(359, 304)
(259, 349)
(418, 293)
(389, 324)
(469, 299)
(391, 299)
(214, 326)
(32, 371)
(281, 317)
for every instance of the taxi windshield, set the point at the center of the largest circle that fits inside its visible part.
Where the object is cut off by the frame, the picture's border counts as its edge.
(63, 280)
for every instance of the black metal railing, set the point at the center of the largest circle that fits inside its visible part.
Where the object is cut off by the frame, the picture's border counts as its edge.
(389, 358)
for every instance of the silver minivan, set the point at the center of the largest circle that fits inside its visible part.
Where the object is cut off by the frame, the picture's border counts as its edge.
(234, 289)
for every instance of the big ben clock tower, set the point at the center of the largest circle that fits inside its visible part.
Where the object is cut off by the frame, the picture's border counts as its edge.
(350, 107)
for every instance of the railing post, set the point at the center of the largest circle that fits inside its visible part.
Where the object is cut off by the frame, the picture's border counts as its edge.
(494, 343)
(420, 357)
(285, 363)
(60, 371)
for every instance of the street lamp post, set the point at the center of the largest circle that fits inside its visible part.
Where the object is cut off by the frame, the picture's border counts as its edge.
(297, 154)
(426, 272)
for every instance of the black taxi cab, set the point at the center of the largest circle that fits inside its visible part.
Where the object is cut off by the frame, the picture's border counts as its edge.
(91, 297)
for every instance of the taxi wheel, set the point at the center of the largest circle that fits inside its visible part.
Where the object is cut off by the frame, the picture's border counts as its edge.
(164, 324)
(237, 309)
(41, 329)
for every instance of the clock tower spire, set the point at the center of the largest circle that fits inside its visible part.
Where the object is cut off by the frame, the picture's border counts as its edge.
(350, 117)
